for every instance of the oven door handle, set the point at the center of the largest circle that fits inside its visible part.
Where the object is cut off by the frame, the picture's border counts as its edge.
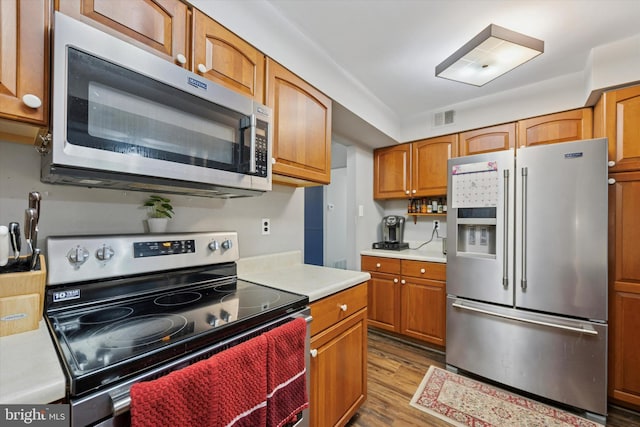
(120, 403)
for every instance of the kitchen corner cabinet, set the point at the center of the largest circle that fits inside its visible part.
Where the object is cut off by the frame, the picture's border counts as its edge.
(221, 56)
(616, 116)
(24, 66)
(338, 356)
(301, 129)
(158, 26)
(407, 297)
(553, 128)
(487, 140)
(624, 289)
(416, 169)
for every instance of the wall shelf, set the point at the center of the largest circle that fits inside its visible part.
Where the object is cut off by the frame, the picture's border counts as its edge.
(416, 215)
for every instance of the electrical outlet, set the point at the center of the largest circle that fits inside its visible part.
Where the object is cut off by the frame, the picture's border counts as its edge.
(266, 226)
(436, 225)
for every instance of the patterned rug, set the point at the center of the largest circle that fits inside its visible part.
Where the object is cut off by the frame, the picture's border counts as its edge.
(464, 402)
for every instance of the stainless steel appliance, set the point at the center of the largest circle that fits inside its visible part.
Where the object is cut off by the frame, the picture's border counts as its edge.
(125, 118)
(128, 308)
(392, 233)
(527, 270)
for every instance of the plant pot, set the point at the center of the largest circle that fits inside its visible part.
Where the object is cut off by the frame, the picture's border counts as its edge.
(157, 225)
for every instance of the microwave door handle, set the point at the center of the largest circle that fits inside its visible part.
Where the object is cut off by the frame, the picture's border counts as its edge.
(252, 146)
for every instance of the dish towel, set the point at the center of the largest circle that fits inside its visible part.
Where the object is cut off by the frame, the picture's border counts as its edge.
(242, 384)
(183, 398)
(286, 372)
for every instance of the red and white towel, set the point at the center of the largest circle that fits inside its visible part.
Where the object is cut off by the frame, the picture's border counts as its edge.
(261, 382)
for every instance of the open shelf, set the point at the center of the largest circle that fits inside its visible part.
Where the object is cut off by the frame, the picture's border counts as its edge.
(416, 215)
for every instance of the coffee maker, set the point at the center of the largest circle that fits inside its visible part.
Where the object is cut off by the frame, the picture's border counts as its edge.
(392, 234)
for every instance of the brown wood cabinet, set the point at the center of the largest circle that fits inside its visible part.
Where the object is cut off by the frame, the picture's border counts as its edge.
(158, 26)
(407, 297)
(302, 129)
(559, 127)
(221, 56)
(338, 356)
(486, 140)
(415, 169)
(624, 289)
(617, 116)
(24, 63)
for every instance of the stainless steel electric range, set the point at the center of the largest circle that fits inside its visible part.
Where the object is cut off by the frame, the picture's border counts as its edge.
(129, 308)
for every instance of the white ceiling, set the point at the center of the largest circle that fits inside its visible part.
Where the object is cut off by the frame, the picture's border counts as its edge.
(391, 47)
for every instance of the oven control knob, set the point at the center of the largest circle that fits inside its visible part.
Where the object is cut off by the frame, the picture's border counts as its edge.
(105, 253)
(77, 256)
(227, 244)
(214, 246)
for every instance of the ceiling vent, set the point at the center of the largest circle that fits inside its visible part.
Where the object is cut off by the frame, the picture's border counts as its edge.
(443, 118)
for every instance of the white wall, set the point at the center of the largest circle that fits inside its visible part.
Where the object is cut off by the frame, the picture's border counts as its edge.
(70, 210)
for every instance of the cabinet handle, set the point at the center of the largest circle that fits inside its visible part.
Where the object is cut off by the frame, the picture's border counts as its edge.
(611, 181)
(343, 307)
(403, 281)
(406, 192)
(378, 265)
(422, 270)
(414, 191)
(181, 59)
(611, 163)
(313, 352)
(202, 68)
(273, 160)
(32, 101)
(395, 280)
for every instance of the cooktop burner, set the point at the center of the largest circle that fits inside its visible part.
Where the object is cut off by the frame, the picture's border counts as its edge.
(104, 315)
(178, 299)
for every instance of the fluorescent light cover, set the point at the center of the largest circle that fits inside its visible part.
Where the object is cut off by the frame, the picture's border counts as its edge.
(488, 55)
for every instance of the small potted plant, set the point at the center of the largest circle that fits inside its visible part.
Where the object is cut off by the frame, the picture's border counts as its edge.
(160, 211)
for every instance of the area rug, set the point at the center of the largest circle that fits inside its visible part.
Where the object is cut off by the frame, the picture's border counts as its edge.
(465, 402)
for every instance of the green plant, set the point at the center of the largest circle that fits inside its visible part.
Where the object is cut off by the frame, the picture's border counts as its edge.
(159, 207)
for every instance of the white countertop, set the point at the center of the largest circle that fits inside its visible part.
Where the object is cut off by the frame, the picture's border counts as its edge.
(431, 252)
(30, 372)
(287, 272)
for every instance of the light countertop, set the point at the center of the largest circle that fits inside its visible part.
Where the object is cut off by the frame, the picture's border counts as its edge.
(431, 252)
(30, 372)
(287, 272)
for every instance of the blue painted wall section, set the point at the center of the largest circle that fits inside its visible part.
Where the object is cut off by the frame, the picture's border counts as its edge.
(313, 225)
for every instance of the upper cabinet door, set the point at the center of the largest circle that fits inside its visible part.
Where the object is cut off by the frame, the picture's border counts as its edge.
(429, 165)
(159, 26)
(223, 57)
(617, 115)
(552, 128)
(24, 60)
(486, 140)
(392, 172)
(302, 128)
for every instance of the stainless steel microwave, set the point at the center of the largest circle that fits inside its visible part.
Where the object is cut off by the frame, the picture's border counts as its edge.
(124, 118)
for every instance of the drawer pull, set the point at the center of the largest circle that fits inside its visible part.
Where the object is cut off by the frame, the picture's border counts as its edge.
(403, 281)
(343, 307)
(422, 270)
(395, 280)
(313, 352)
(378, 265)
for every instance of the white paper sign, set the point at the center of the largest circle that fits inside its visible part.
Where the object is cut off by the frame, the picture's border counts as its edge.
(475, 185)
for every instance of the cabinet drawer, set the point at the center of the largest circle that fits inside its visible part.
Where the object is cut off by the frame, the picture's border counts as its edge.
(380, 265)
(332, 309)
(422, 269)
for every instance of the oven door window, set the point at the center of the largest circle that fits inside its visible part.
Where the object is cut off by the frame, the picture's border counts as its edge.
(115, 109)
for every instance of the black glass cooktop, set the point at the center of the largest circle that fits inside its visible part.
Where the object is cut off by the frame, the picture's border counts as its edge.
(105, 342)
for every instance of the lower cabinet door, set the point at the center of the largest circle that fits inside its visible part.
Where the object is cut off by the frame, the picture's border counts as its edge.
(339, 371)
(423, 310)
(383, 295)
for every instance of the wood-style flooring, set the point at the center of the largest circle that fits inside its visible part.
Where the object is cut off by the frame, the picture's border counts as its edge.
(396, 368)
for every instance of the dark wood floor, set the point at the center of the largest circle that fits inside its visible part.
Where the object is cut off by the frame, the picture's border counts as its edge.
(396, 368)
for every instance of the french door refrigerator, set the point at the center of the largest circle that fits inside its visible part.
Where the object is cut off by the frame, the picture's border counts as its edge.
(527, 270)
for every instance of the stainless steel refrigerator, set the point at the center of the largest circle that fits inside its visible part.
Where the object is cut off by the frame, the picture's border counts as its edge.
(527, 270)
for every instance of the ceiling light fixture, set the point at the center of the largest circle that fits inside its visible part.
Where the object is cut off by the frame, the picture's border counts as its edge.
(490, 54)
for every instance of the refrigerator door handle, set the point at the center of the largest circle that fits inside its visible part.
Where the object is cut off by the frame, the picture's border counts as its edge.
(523, 279)
(584, 329)
(505, 232)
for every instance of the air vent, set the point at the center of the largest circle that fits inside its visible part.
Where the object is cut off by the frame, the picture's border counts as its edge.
(443, 118)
